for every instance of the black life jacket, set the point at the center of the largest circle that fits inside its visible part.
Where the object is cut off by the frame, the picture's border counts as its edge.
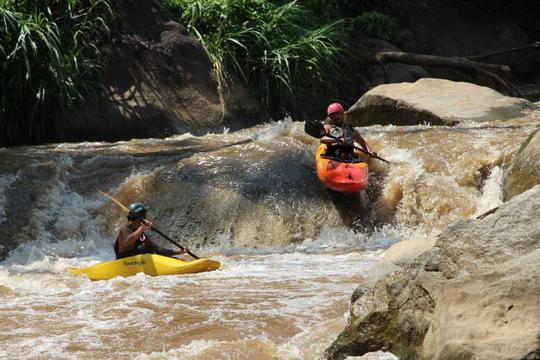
(343, 131)
(341, 150)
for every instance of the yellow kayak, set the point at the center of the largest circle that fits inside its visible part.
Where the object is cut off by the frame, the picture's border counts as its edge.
(150, 264)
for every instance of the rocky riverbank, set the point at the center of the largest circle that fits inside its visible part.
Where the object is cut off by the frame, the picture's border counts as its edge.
(160, 81)
(474, 295)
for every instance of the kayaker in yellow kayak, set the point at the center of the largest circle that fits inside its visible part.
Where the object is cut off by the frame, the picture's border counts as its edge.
(132, 240)
(338, 129)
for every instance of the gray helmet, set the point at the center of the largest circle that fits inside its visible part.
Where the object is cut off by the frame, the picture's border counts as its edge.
(136, 210)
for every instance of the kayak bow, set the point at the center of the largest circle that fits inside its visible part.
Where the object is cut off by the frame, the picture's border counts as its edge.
(342, 176)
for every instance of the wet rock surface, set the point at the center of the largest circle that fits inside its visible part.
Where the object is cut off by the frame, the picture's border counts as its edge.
(524, 169)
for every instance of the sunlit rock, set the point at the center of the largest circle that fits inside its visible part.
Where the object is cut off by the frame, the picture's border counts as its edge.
(474, 295)
(434, 101)
(491, 315)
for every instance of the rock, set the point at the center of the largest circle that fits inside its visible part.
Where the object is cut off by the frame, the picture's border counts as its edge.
(511, 232)
(160, 82)
(492, 315)
(440, 28)
(475, 295)
(435, 101)
(394, 316)
(368, 75)
(436, 27)
(404, 252)
(524, 169)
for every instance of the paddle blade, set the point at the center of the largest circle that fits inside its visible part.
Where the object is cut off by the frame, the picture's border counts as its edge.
(315, 129)
(122, 206)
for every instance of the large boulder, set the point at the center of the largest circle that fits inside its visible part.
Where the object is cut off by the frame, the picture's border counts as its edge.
(492, 315)
(473, 296)
(160, 81)
(524, 170)
(435, 101)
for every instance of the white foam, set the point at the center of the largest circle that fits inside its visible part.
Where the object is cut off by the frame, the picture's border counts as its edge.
(276, 129)
(280, 287)
(377, 355)
(492, 192)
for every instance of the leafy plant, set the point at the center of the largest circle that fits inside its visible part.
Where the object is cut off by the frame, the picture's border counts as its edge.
(47, 65)
(376, 24)
(277, 49)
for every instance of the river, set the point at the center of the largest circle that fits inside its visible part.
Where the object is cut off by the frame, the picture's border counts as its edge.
(291, 252)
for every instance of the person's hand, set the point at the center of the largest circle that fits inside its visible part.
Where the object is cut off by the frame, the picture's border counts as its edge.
(146, 224)
(182, 250)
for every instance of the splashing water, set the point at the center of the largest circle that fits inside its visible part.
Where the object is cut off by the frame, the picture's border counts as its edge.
(291, 252)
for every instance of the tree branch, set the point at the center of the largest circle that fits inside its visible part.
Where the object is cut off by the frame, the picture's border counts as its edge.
(450, 62)
(436, 61)
(500, 52)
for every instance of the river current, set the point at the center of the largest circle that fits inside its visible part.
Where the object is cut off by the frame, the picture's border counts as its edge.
(291, 252)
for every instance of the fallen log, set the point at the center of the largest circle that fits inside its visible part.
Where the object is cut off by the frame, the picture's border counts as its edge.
(456, 62)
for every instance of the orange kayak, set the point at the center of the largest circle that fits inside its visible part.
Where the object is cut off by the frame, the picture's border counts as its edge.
(338, 175)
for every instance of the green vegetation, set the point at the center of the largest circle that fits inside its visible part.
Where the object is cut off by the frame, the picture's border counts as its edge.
(285, 51)
(282, 49)
(277, 49)
(47, 66)
(376, 24)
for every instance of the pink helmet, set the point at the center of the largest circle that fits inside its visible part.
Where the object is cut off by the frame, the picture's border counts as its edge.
(335, 108)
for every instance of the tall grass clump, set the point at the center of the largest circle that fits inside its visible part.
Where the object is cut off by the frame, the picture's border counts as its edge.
(278, 50)
(47, 66)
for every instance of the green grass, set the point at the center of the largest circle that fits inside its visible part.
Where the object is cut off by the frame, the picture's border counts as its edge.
(48, 65)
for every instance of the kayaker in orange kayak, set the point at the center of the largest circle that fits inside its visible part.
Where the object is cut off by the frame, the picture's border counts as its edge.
(132, 240)
(338, 129)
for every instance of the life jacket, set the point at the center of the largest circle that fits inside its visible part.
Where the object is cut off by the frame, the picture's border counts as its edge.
(142, 245)
(343, 131)
(340, 150)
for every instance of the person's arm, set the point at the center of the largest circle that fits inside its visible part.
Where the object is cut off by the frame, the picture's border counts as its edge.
(168, 252)
(360, 140)
(165, 251)
(327, 139)
(127, 239)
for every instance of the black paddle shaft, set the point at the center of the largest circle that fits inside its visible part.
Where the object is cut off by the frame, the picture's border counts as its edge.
(317, 130)
(165, 236)
(174, 242)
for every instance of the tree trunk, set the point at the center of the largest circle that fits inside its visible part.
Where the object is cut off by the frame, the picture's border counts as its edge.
(450, 62)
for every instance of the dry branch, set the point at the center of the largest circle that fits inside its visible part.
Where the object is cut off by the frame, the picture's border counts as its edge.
(450, 62)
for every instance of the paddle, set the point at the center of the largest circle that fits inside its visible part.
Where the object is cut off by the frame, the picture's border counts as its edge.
(317, 130)
(125, 208)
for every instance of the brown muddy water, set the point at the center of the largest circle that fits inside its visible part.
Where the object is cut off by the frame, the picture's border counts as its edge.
(291, 253)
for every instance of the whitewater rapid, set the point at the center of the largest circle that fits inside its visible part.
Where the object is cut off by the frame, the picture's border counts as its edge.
(292, 254)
